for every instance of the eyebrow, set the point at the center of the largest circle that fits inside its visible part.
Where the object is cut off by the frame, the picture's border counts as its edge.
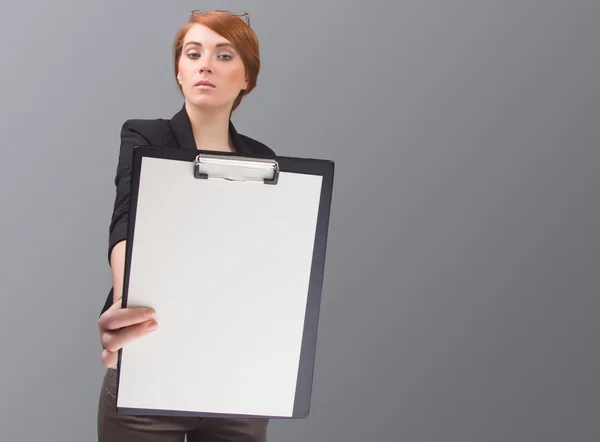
(218, 45)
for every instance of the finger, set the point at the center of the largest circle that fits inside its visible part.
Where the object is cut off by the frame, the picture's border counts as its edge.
(115, 340)
(118, 318)
(109, 358)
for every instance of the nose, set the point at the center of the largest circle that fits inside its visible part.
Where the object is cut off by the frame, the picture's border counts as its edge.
(205, 65)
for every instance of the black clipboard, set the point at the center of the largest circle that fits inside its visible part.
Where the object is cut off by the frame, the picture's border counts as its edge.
(230, 251)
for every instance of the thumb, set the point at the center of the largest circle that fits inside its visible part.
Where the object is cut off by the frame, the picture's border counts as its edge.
(117, 304)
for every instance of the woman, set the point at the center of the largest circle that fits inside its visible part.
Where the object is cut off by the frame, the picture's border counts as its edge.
(216, 62)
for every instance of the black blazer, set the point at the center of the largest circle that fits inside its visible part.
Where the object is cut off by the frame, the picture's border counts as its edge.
(173, 133)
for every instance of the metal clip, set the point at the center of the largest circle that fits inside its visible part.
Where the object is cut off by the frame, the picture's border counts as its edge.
(236, 168)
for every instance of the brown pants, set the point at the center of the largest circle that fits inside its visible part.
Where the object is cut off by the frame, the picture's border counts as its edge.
(115, 427)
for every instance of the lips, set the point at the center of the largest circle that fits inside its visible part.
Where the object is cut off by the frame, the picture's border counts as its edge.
(204, 83)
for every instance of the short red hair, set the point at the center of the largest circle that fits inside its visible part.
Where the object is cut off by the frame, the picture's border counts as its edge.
(234, 29)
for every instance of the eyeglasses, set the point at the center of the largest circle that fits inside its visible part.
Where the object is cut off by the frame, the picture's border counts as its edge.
(242, 15)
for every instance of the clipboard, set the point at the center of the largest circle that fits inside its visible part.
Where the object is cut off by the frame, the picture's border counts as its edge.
(230, 252)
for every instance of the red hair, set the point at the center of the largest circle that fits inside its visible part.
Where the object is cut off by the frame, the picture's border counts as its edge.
(234, 29)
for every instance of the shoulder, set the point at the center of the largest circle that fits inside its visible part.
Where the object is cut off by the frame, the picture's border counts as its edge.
(140, 132)
(149, 131)
(257, 147)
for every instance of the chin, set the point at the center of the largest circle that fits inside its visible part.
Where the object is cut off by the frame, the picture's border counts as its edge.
(207, 103)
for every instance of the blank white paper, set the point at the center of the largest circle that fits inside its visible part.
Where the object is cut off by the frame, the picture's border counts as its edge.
(226, 265)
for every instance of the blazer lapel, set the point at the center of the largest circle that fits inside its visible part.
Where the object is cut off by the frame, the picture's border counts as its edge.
(181, 129)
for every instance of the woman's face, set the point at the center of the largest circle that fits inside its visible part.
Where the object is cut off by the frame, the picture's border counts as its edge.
(211, 72)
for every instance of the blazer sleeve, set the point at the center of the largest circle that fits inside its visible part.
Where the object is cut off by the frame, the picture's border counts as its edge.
(130, 137)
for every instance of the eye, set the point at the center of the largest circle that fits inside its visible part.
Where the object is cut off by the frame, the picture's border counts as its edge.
(193, 55)
(226, 57)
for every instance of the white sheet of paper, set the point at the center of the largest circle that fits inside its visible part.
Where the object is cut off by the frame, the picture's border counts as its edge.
(226, 265)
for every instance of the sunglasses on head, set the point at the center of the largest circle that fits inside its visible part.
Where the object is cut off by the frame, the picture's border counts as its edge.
(242, 15)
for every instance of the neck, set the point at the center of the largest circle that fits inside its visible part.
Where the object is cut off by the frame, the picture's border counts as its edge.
(210, 128)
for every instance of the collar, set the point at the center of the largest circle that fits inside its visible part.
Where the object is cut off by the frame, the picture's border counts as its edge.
(184, 137)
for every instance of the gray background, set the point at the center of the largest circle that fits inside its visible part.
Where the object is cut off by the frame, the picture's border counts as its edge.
(461, 291)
